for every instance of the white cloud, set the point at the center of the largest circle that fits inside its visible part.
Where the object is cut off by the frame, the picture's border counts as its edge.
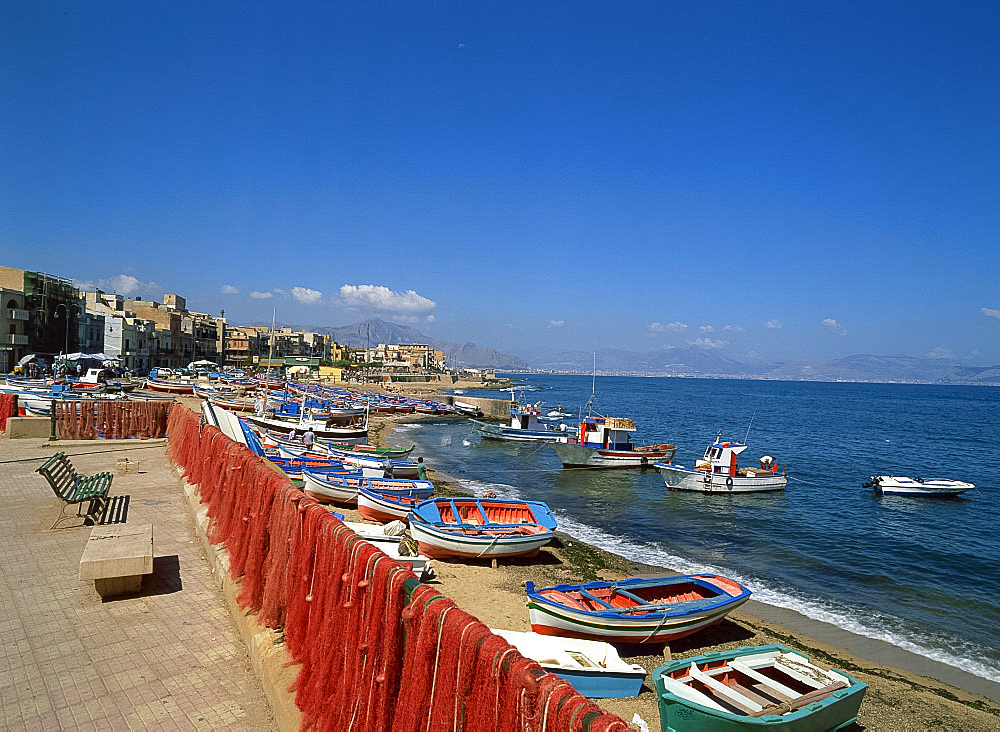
(990, 312)
(84, 285)
(306, 296)
(380, 297)
(429, 318)
(940, 352)
(258, 295)
(773, 323)
(708, 343)
(706, 328)
(834, 326)
(229, 290)
(673, 327)
(735, 328)
(557, 323)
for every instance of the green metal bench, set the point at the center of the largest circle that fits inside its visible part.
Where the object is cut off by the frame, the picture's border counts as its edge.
(70, 487)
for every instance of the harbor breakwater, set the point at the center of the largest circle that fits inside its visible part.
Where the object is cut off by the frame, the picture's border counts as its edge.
(377, 649)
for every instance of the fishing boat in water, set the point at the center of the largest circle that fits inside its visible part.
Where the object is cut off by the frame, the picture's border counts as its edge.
(898, 485)
(718, 472)
(768, 688)
(481, 527)
(634, 610)
(524, 426)
(606, 442)
(594, 668)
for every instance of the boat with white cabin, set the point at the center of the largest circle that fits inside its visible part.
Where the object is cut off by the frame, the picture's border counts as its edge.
(524, 426)
(606, 442)
(718, 472)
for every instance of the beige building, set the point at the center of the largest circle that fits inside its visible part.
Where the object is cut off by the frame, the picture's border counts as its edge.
(13, 328)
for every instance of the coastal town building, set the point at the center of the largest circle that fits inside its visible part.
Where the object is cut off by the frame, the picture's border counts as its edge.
(13, 327)
(53, 310)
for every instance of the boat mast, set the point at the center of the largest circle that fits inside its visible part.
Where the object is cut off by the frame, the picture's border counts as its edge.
(748, 426)
(270, 342)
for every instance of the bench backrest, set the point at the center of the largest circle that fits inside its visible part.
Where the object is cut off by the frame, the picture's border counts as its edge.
(59, 472)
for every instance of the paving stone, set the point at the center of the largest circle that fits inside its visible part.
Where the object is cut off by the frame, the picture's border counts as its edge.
(167, 657)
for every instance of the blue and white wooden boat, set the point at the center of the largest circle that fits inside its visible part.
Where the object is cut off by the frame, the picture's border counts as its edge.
(763, 688)
(634, 610)
(325, 487)
(524, 426)
(594, 668)
(387, 506)
(481, 527)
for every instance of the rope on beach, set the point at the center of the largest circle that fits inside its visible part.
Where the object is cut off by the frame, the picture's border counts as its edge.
(342, 605)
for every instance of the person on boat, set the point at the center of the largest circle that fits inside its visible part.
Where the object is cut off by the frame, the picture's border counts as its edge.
(421, 470)
(307, 438)
(293, 435)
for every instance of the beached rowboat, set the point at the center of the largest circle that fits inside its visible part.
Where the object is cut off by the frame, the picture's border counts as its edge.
(481, 527)
(634, 610)
(344, 488)
(594, 668)
(766, 688)
(382, 506)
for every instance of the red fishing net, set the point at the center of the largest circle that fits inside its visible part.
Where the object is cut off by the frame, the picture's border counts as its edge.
(342, 605)
(6, 410)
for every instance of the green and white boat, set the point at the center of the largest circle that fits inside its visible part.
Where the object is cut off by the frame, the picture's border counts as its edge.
(762, 688)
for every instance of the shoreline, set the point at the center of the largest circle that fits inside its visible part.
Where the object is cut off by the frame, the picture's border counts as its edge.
(898, 679)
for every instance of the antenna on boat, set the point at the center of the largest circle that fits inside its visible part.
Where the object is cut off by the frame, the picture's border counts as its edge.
(593, 386)
(748, 426)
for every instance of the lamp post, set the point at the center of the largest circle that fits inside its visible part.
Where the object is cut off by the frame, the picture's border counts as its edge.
(66, 312)
(368, 348)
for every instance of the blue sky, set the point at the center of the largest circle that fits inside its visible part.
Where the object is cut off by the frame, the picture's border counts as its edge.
(785, 180)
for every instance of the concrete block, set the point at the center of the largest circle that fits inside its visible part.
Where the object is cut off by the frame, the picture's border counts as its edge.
(117, 556)
(24, 427)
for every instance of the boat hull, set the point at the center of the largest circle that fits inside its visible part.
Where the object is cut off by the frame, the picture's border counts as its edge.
(172, 387)
(584, 456)
(678, 478)
(509, 434)
(683, 709)
(550, 612)
(593, 668)
(440, 544)
(934, 487)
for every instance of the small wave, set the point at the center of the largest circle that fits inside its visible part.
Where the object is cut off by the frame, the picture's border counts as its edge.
(466, 443)
(955, 652)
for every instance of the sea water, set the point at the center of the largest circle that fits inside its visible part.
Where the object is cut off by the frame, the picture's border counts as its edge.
(920, 573)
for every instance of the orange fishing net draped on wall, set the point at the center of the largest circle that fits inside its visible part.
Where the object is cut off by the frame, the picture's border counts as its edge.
(89, 419)
(358, 622)
(6, 410)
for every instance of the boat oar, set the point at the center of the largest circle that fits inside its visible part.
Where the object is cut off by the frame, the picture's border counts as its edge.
(800, 701)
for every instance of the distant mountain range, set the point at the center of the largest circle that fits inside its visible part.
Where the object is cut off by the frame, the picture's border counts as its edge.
(690, 361)
(694, 361)
(467, 355)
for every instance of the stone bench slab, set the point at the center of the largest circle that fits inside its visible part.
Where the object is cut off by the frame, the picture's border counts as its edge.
(117, 556)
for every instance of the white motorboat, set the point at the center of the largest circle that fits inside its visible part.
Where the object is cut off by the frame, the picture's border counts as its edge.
(898, 485)
(718, 472)
(524, 426)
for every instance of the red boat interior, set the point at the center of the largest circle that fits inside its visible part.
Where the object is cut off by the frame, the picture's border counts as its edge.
(470, 512)
(609, 598)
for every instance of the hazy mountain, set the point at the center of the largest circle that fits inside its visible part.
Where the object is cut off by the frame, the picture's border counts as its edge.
(690, 361)
(377, 331)
(677, 361)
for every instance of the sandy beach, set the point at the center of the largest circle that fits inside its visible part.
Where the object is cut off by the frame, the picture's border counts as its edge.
(906, 691)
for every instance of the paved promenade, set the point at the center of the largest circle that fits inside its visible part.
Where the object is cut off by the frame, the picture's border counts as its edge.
(169, 657)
